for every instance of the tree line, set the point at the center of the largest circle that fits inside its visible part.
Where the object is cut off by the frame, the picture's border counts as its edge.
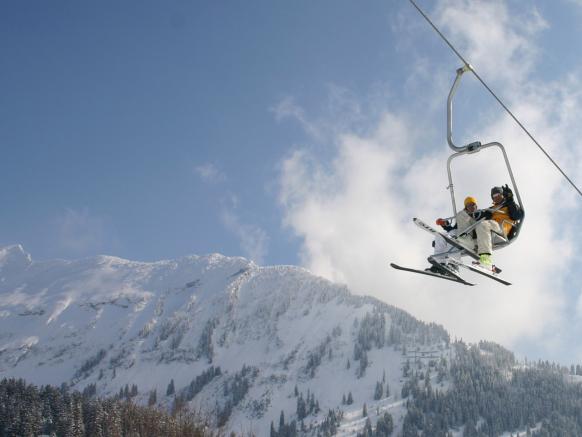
(491, 395)
(27, 410)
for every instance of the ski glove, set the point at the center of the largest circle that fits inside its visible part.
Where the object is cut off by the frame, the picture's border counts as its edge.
(482, 213)
(507, 193)
(442, 222)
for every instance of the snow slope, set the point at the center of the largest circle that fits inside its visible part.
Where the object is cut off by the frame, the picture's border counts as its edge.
(271, 330)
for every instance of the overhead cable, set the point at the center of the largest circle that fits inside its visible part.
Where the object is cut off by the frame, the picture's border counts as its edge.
(465, 63)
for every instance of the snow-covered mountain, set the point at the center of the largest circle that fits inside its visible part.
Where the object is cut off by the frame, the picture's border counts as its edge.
(239, 341)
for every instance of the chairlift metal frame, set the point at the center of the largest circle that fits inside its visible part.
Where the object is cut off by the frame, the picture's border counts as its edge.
(472, 148)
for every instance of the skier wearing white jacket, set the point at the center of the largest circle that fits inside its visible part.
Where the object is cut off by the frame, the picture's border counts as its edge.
(464, 219)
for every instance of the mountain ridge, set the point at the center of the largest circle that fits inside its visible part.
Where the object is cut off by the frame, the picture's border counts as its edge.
(264, 351)
(111, 323)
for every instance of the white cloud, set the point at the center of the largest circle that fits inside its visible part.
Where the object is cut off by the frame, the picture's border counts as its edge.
(353, 212)
(253, 240)
(80, 233)
(496, 42)
(209, 173)
(341, 111)
(288, 109)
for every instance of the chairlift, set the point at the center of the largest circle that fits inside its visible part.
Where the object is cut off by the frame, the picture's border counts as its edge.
(446, 265)
(499, 241)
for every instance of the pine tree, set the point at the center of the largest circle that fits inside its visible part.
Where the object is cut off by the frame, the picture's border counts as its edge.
(470, 429)
(363, 363)
(350, 399)
(113, 413)
(365, 411)
(379, 391)
(281, 421)
(384, 426)
(48, 400)
(90, 390)
(368, 428)
(77, 426)
(301, 408)
(406, 369)
(178, 405)
(95, 419)
(63, 414)
(171, 389)
(153, 398)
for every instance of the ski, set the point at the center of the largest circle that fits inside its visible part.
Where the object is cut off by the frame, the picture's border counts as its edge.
(435, 275)
(444, 267)
(453, 242)
(480, 271)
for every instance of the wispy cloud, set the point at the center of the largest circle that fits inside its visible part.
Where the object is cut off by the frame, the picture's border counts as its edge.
(288, 109)
(576, 2)
(209, 173)
(496, 41)
(80, 233)
(341, 111)
(253, 240)
(353, 211)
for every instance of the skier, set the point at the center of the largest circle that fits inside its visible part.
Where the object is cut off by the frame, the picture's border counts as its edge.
(499, 219)
(464, 219)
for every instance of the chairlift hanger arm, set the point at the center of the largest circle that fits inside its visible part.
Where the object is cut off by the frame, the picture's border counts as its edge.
(466, 64)
(470, 147)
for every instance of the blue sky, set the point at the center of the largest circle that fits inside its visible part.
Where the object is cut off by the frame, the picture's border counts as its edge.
(109, 110)
(297, 133)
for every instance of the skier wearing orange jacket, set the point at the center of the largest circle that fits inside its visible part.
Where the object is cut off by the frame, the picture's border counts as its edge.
(499, 219)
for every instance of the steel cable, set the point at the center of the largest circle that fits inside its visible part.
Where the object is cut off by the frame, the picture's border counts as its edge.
(495, 96)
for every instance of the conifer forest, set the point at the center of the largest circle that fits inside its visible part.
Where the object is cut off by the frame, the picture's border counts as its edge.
(490, 393)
